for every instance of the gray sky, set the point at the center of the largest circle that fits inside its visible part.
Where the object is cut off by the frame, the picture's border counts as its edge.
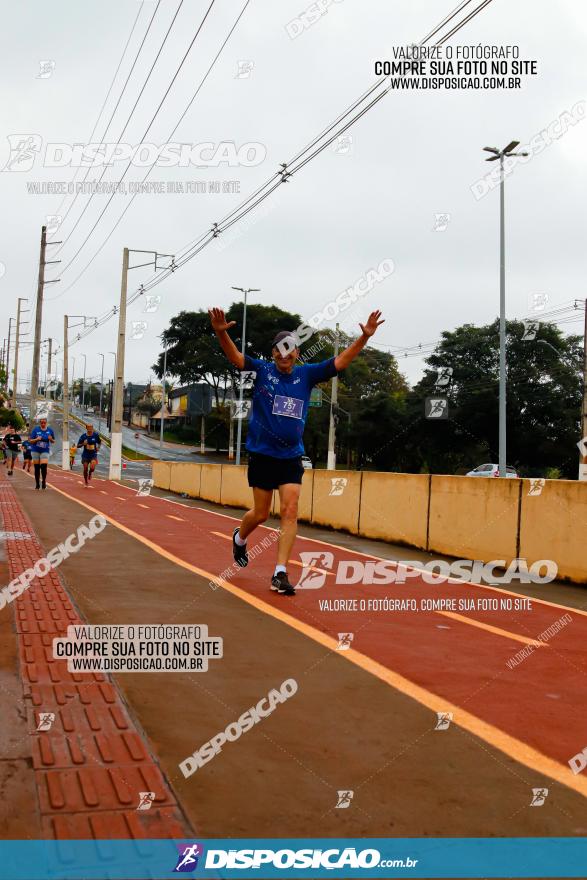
(414, 155)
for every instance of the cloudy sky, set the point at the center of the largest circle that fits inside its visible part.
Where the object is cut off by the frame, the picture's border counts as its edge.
(416, 154)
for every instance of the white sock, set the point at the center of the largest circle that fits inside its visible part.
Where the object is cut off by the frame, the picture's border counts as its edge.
(238, 540)
(279, 568)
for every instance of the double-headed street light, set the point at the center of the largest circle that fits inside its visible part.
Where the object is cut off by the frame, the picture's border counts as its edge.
(501, 155)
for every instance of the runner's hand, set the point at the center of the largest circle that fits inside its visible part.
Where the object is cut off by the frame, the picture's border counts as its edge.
(219, 322)
(372, 324)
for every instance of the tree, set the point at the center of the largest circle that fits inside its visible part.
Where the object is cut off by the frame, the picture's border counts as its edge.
(193, 352)
(543, 400)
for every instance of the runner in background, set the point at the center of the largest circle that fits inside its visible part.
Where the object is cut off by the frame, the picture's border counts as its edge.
(72, 454)
(90, 443)
(12, 443)
(27, 455)
(41, 438)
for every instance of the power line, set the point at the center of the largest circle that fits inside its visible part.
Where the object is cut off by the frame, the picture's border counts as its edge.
(178, 123)
(285, 174)
(104, 104)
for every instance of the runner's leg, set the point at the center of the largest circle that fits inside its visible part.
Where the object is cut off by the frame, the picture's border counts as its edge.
(85, 464)
(38, 474)
(289, 494)
(44, 473)
(258, 513)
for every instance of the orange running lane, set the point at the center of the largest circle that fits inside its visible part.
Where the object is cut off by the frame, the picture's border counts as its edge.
(461, 656)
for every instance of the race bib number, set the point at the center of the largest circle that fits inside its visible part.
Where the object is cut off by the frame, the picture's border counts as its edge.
(90, 446)
(288, 406)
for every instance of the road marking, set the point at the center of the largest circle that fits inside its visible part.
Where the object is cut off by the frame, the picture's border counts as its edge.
(120, 498)
(516, 749)
(178, 518)
(493, 629)
(146, 506)
(292, 561)
(372, 556)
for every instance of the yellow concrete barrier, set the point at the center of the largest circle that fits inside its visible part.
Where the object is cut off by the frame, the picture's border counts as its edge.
(161, 474)
(305, 503)
(474, 517)
(464, 517)
(552, 526)
(185, 479)
(210, 482)
(394, 508)
(336, 497)
(235, 490)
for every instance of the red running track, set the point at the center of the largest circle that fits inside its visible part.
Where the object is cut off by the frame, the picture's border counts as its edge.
(539, 701)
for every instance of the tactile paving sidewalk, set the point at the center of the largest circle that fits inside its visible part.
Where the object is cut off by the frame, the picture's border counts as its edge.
(92, 763)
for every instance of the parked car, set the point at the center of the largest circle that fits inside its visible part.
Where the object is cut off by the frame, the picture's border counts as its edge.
(307, 463)
(492, 470)
(90, 409)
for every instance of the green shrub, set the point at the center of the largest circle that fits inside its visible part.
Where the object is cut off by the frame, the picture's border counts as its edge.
(11, 417)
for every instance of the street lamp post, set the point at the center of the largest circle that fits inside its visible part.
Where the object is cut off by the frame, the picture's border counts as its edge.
(101, 393)
(111, 401)
(84, 382)
(501, 154)
(239, 429)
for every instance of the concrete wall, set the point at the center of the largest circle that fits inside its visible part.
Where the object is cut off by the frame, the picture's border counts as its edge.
(394, 508)
(474, 517)
(336, 498)
(464, 517)
(185, 479)
(553, 524)
(162, 474)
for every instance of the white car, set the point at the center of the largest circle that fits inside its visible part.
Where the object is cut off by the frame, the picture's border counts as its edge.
(492, 470)
(306, 463)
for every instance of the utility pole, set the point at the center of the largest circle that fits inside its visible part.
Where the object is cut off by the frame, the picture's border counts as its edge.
(115, 470)
(38, 322)
(65, 438)
(39, 319)
(8, 357)
(116, 429)
(163, 401)
(331, 460)
(16, 345)
(47, 394)
(583, 458)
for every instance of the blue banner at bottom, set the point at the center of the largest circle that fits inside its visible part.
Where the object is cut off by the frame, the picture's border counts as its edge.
(292, 858)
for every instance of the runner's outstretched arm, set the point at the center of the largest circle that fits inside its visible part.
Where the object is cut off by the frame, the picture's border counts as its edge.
(346, 357)
(220, 326)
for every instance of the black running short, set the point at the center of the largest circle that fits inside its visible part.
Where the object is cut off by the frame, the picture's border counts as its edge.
(266, 472)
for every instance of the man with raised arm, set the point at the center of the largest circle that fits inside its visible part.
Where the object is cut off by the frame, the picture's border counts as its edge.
(281, 396)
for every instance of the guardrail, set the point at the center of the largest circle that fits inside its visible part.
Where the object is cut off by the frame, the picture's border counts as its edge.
(464, 517)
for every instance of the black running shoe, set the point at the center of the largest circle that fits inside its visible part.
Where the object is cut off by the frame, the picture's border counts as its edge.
(240, 553)
(281, 584)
